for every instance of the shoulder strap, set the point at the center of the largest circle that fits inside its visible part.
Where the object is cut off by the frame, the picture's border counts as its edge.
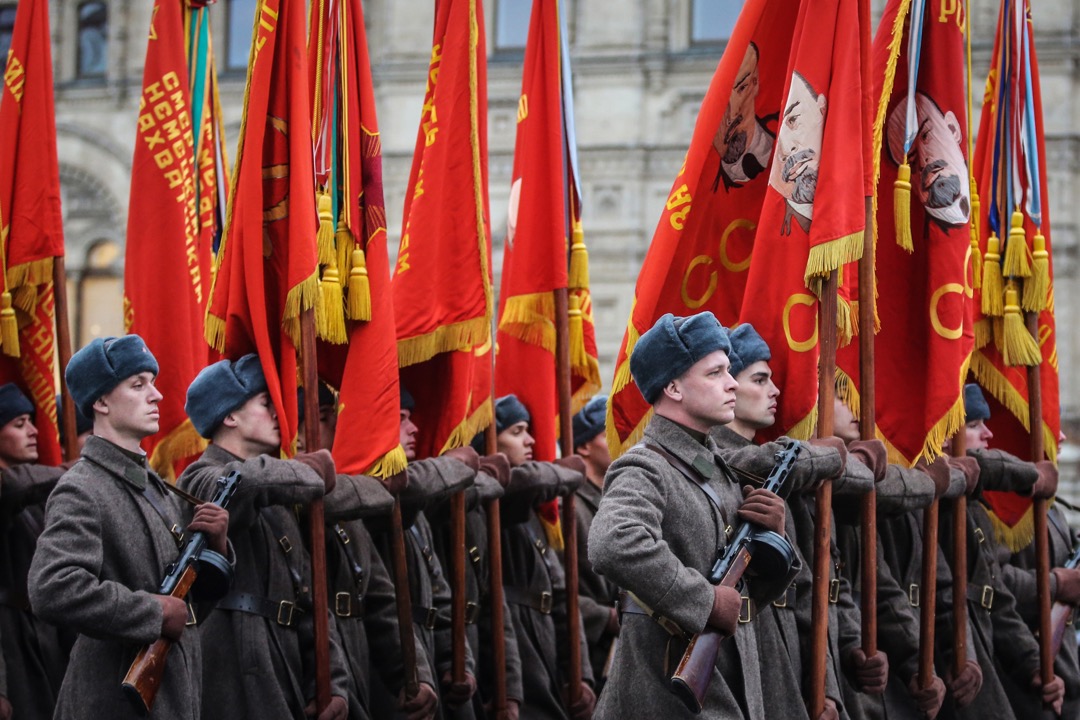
(150, 493)
(291, 555)
(687, 472)
(348, 548)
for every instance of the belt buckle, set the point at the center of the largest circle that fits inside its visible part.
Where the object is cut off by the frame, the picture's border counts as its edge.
(178, 534)
(782, 601)
(987, 598)
(541, 546)
(834, 590)
(980, 535)
(285, 611)
(913, 594)
(429, 621)
(344, 536)
(343, 604)
(744, 610)
(191, 619)
(474, 555)
(472, 610)
(545, 602)
(285, 544)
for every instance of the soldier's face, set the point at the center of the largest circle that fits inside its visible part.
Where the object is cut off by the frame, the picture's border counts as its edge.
(18, 442)
(256, 420)
(845, 426)
(596, 453)
(132, 406)
(516, 443)
(977, 435)
(407, 435)
(707, 392)
(755, 400)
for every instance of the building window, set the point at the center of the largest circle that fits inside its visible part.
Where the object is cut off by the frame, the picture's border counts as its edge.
(512, 24)
(7, 27)
(93, 40)
(711, 21)
(239, 25)
(100, 293)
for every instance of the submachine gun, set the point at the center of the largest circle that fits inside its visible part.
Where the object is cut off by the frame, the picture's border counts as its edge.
(1061, 615)
(198, 569)
(752, 549)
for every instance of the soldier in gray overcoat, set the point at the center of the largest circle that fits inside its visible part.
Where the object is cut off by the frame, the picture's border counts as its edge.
(659, 530)
(108, 539)
(261, 664)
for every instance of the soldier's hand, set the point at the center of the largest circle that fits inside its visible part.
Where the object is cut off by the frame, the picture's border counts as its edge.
(1047, 484)
(929, 698)
(586, 703)
(421, 707)
(213, 520)
(967, 684)
(338, 709)
(497, 466)
(834, 443)
(1068, 585)
(872, 454)
(762, 507)
(938, 472)
(457, 694)
(5, 708)
(1053, 694)
(174, 616)
(396, 483)
(970, 467)
(513, 710)
(830, 712)
(465, 455)
(322, 462)
(871, 673)
(725, 609)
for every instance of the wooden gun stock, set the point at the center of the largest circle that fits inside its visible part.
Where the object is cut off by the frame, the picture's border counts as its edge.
(144, 676)
(694, 673)
(1060, 623)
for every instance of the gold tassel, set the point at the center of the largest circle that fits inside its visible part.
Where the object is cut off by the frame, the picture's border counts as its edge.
(334, 307)
(326, 227)
(578, 356)
(1016, 260)
(1018, 347)
(993, 284)
(902, 206)
(1037, 287)
(976, 253)
(9, 326)
(579, 263)
(359, 287)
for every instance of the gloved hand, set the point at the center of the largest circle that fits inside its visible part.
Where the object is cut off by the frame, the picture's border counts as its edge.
(322, 462)
(1068, 585)
(420, 707)
(762, 507)
(725, 609)
(1047, 484)
(5, 708)
(872, 454)
(213, 520)
(174, 616)
(835, 443)
(466, 455)
(871, 673)
(396, 483)
(583, 708)
(1053, 694)
(572, 462)
(938, 472)
(928, 699)
(497, 466)
(830, 712)
(970, 467)
(338, 709)
(967, 684)
(613, 626)
(457, 694)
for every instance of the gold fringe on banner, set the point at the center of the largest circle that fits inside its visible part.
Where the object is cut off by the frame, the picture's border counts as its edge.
(805, 428)
(1037, 287)
(983, 333)
(847, 321)
(445, 338)
(830, 256)
(616, 445)
(304, 296)
(36, 272)
(1016, 249)
(9, 327)
(1018, 347)
(950, 423)
(902, 206)
(993, 290)
(389, 464)
(992, 380)
(333, 302)
(578, 278)
(463, 434)
(1017, 537)
(214, 332)
(326, 226)
(976, 253)
(182, 442)
(531, 319)
(578, 356)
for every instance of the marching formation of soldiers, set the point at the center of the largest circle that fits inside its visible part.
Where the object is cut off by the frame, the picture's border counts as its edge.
(86, 545)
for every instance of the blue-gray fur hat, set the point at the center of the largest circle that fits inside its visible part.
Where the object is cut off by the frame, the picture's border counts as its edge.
(407, 401)
(102, 365)
(590, 421)
(13, 403)
(747, 348)
(509, 411)
(326, 397)
(975, 405)
(220, 388)
(671, 346)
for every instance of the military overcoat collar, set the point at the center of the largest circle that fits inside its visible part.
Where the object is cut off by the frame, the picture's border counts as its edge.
(219, 455)
(116, 462)
(727, 439)
(590, 494)
(702, 459)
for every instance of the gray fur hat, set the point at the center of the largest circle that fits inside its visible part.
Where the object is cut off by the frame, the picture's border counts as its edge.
(13, 403)
(975, 405)
(747, 348)
(102, 365)
(220, 388)
(671, 346)
(590, 420)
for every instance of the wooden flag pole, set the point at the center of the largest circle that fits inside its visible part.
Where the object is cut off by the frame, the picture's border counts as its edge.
(959, 567)
(495, 582)
(320, 601)
(63, 351)
(819, 640)
(1042, 537)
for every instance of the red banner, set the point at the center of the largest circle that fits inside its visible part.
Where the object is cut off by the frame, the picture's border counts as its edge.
(267, 266)
(31, 232)
(442, 280)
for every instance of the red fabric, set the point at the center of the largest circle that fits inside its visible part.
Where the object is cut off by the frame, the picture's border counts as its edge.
(442, 281)
(269, 247)
(30, 219)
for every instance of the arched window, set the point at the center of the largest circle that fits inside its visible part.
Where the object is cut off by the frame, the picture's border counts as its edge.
(7, 26)
(100, 293)
(239, 24)
(711, 21)
(93, 40)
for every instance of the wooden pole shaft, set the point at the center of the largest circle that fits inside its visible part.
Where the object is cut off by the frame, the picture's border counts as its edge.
(959, 567)
(1042, 537)
(457, 598)
(495, 580)
(404, 601)
(928, 593)
(63, 351)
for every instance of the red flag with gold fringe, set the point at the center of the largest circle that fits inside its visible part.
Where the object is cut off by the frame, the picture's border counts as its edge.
(442, 280)
(31, 232)
(167, 254)
(267, 265)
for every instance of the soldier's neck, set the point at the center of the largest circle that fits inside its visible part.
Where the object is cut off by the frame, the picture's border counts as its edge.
(741, 428)
(696, 434)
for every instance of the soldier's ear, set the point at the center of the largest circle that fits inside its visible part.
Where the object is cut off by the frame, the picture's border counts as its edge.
(673, 391)
(101, 406)
(229, 421)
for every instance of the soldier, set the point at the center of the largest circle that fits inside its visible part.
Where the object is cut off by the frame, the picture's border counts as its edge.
(110, 533)
(661, 526)
(597, 594)
(261, 663)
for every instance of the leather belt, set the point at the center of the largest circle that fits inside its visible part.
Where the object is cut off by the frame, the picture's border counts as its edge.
(982, 595)
(542, 602)
(425, 616)
(346, 605)
(913, 596)
(628, 605)
(14, 599)
(283, 612)
(472, 612)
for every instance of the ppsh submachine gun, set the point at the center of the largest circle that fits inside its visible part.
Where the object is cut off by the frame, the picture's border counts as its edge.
(752, 549)
(198, 571)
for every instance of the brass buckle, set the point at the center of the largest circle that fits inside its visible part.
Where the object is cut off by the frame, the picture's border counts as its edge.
(834, 590)
(177, 533)
(429, 621)
(728, 530)
(472, 610)
(987, 599)
(541, 546)
(913, 594)
(545, 602)
(744, 609)
(343, 604)
(474, 555)
(191, 619)
(285, 612)
(782, 601)
(980, 535)
(345, 539)
(285, 544)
